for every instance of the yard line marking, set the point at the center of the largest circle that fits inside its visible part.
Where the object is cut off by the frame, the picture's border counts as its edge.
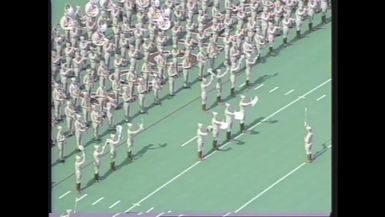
(160, 214)
(227, 214)
(274, 89)
(321, 97)
(149, 209)
(271, 186)
(259, 86)
(243, 84)
(288, 92)
(93, 204)
(63, 195)
(188, 141)
(196, 163)
(140, 213)
(116, 214)
(78, 199)
(169, 211)
(114, 204)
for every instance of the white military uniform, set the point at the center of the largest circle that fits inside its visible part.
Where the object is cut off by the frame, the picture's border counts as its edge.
(219, 83)
(126, 102)
(200, 140)
(79, 129)
(96, 121)
(204, 85)
(309, 143)
(69, 113)
(115, 139)
(215, 124)
(98, 152)
(229, 120)
(142, 93)
(242, 108)
(130, 140)
(60, 140)
(79, 162)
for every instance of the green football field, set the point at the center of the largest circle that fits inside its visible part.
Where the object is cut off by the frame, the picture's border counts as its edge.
(261, 171)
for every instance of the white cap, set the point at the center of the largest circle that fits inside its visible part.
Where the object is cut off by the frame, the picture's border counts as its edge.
(78, 157)
(59, 127)
(73, 79)
(112, 135)
(96, 146)
(215, 113)
(200, 124)
(129, 124)
(242, 96)
(227, 104)
(308, 127)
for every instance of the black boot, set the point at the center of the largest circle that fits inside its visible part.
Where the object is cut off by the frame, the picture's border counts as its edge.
(271, 50)
(309, 158)
(323, 19)
(310, 26)
(204, 107)
(298, 34)
(242, 127)
(228, 135)
(200, 156)
(247, 83)
(113, 166)
(215, 144)
(218, 99)
(78, 187)
(285, 41)
(232, 91)
(129, 156)
(96, 176)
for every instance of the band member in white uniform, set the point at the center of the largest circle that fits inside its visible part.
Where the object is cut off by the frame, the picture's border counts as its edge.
(80, 127)
(324, 8)
(96, 119)
(130, 139)
(219, 82)
(243, 104)
(60, 140)
(311, 7)
(201, 132)
(79, 163)
(229, 120)
(309, 143)
(215, 124)
(86, 106)
(69, 112)
(205, 83)
(98, 152)
(299, 16)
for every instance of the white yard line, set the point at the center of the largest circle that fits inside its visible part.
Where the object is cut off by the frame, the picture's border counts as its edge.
(149, 209)
(63, 195)
(93, 204)
(227, 214)
(78, 199)
(114, 204)
(259, 86)
(188, 141)
(288, 92)
(274, 89)
(323, 96)
(160, 214)
(117, 214)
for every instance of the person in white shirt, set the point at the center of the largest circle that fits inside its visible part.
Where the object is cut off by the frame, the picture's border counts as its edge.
(58, 97)
(299, 16)
(243, 104)
(205, 83)
(126, 102)
(156, 86)
(115, 139)
(74, 91)
(130, 139)
(98, 152)
(309, 143)
(311, 7)
(219, 82)
(201, 132)
(216, 126)
(80, 127)
(60, 140)
(271, 37)
(229, 120)
(86, 107)
(96, 119)
(324, 8)
(69, 112)
(286, 23)
(79, 163)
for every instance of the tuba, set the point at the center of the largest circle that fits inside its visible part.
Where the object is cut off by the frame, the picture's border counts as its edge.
(98, 38)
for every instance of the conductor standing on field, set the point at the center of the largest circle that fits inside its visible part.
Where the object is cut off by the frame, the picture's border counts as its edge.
(309, 143)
